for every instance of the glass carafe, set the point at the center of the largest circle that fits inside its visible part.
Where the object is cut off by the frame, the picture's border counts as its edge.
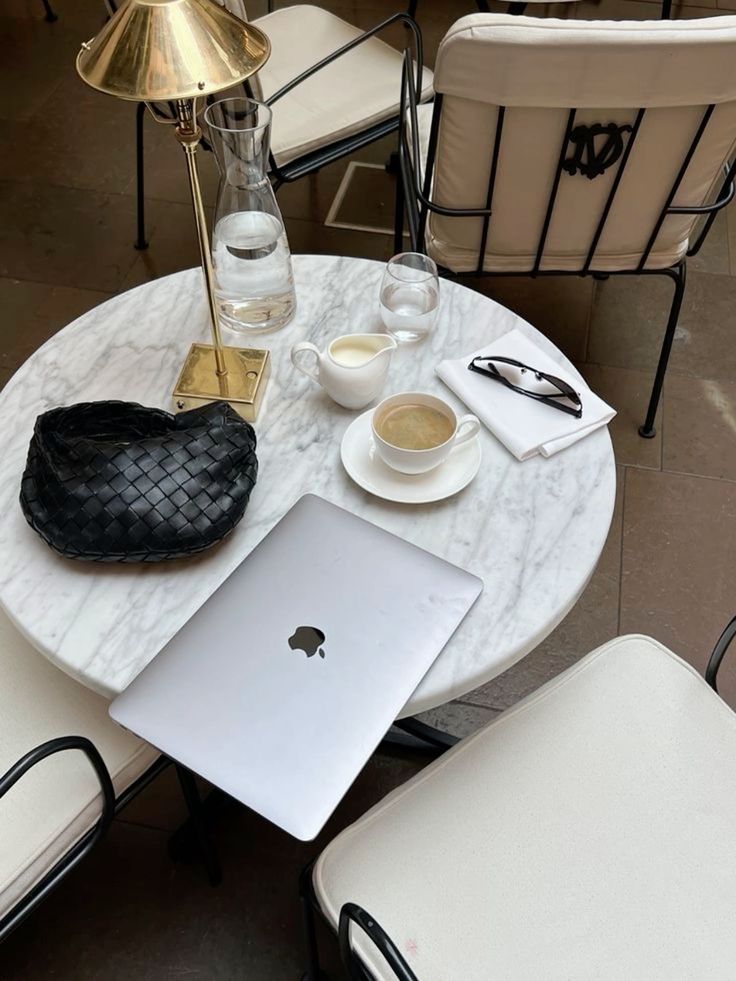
(254, 282)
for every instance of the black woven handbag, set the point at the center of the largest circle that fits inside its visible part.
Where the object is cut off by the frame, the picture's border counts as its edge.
(118, 482)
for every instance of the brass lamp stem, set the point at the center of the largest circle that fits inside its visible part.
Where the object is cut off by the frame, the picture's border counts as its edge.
(189, 134)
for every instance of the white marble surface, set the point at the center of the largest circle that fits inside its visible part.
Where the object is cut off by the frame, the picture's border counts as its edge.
(532, 531)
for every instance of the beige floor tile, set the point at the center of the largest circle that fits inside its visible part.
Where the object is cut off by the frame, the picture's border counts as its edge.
(65, 236)
(77, 138)
(615, 10)
(628, 392)
(459, 718)
(312, 237)
(700, 427)
(37, 57)
(26, 337)
(33, 312)
(79, 17)
(310, 197)
(690, 12)
(20, 298)
(369, 199)
(558, 306)
(161, 806)
(714, 256)
(62, 304)
(172, 238)
(629, 319)
(677, 563)
(165, 174)
(591, 622)
(731, 228)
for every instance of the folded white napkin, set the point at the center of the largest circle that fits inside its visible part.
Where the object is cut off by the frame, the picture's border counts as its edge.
(524, 426)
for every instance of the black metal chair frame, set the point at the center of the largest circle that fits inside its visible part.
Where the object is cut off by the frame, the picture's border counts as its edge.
(311, 162)
(413, 198)
(352, 913)
(111, 806)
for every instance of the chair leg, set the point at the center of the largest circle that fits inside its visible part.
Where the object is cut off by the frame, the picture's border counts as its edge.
(666, 9)
(306, 898)
(647, 430)
(140, 239)
(399, 214)
(412, 9)
(50, 14)
(516, 8)
(198, 824)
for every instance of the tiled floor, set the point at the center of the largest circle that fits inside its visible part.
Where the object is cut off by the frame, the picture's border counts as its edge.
(66, 230)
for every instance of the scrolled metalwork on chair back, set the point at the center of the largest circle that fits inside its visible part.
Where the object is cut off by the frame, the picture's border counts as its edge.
(529, 185)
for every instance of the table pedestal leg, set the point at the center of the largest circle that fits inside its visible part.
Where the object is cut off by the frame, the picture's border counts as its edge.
(414, 735)
(192, 839)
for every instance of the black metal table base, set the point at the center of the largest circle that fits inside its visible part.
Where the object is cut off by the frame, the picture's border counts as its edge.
(412, 734)
(192, 841)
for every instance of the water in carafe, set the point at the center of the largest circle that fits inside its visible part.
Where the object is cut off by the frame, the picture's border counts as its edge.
(254, 283)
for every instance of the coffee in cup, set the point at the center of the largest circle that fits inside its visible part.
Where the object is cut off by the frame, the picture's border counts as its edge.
(413, 426)
(415, 432)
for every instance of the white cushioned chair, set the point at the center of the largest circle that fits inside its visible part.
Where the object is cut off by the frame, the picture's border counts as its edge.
(587, 832)
(572, 147)
(55, 803)
(332, 87)
(515, 7)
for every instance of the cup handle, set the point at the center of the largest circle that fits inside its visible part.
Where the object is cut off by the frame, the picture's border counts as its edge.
(299, 348)
(473, 424)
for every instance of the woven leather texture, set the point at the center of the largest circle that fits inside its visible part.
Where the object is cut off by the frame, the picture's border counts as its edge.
(119, 482)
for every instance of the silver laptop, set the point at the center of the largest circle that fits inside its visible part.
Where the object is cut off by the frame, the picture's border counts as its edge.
(283, 683)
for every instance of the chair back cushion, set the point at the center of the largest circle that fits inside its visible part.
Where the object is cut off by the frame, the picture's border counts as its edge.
(606, 71)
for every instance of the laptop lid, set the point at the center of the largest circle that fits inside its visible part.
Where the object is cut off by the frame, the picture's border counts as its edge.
(283, 683)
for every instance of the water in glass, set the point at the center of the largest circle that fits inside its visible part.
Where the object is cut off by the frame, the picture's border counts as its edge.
(409, 297)
(408, 311)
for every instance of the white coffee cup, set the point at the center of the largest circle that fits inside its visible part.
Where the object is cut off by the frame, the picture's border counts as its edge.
(417, 461)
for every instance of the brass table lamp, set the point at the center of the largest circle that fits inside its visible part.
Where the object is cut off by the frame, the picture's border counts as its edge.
(178, 51)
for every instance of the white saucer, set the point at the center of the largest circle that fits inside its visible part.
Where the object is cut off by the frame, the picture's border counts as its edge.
(367, 469)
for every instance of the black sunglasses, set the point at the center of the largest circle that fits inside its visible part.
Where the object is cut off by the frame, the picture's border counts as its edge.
(564, 391)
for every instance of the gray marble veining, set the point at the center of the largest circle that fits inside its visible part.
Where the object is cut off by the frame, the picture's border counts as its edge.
(532, 531)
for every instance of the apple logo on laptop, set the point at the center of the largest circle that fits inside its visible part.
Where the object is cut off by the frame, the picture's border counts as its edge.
(307, 639)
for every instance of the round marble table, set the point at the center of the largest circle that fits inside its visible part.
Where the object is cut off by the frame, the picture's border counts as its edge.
(532, 531)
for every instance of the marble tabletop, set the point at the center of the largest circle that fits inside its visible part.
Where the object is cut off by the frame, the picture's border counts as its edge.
(532, 531)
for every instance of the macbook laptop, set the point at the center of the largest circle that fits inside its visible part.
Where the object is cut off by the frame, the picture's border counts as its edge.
(283, 683)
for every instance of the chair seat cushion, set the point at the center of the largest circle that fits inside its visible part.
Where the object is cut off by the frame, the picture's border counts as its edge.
(58, 800)
(359, 90)
(589, 832)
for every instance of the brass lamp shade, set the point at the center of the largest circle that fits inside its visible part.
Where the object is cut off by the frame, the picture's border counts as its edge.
(163, 50)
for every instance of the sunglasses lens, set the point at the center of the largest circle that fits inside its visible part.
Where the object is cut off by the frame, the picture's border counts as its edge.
(563, 386)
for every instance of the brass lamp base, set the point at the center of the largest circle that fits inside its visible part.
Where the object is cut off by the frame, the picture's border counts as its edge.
(243, 386)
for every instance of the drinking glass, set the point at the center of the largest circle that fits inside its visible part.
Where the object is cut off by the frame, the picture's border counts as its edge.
(410, 296)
